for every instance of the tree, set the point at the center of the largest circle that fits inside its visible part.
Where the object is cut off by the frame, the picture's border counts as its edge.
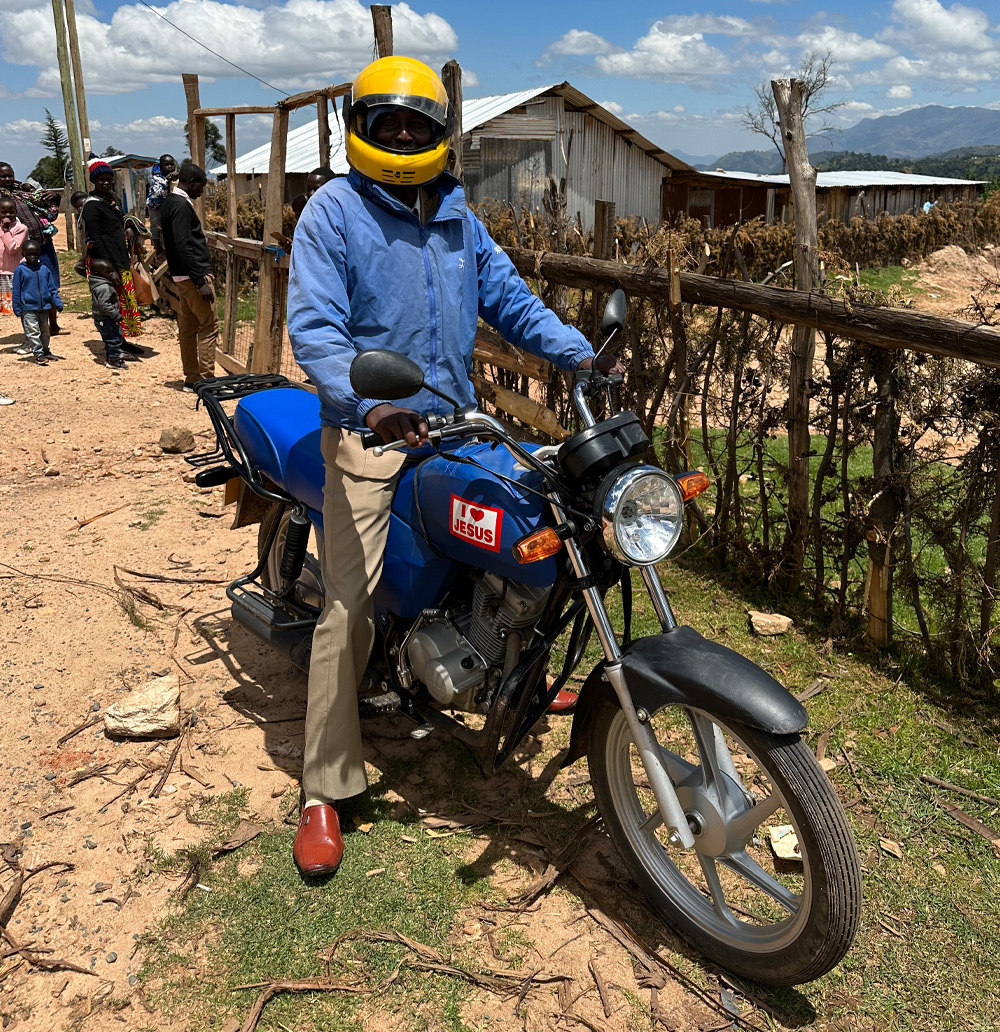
(50, 170)
(215, 151)
(112, 152)
(814, 77)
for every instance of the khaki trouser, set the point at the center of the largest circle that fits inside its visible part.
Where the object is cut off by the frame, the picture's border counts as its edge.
(197, 332)
(357, 498)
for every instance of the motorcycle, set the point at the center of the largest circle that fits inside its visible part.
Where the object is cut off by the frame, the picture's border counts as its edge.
(499, 557)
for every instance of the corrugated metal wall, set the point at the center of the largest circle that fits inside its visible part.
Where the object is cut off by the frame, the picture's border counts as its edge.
(512, 156)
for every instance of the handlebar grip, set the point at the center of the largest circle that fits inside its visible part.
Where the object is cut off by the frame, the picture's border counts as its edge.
(370, 439)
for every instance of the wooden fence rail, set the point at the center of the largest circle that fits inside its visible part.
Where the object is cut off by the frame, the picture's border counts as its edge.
(892, 328)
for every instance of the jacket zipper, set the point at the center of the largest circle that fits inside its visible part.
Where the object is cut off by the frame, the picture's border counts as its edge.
(432, 312)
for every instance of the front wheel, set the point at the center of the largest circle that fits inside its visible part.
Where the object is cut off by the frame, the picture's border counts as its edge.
(748, 796)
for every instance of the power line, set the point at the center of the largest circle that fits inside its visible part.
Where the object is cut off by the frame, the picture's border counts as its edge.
(240, 68)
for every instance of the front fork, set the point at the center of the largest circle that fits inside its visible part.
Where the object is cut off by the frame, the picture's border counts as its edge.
(646, 744)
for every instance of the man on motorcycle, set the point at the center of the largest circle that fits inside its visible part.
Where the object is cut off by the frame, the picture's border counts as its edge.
(388, 257)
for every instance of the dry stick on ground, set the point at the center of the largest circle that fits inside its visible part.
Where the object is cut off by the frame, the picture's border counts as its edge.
(931, 780)
(190, 879)
(173, 580)
(972, 824)
(127, 790)
(303, 985)
(104, 588)
(76, 730)
(142, 594)
(158, 788)
(54, 813)
(560, 862)
(90, 519)
(602, 988)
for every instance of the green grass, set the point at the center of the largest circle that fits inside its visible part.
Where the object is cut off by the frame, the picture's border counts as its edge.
(151, 516)
(926, 958)
(888, 276)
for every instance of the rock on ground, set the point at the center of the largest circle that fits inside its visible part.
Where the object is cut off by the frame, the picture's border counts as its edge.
(176, 439)
(150, 711)
(769, 623)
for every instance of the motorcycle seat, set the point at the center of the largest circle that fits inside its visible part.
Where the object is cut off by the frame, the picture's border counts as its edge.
(280, 431)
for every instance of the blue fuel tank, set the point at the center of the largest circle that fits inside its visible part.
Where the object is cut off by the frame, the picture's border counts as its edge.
(448, 514)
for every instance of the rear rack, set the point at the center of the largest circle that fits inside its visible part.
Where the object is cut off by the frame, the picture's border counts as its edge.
(229, 452)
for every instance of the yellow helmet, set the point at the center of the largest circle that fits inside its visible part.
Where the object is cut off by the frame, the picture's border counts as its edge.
(397, 82)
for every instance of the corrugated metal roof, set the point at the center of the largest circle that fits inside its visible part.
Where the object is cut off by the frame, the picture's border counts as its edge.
(853, 179)
(302, 151)
(847, 179)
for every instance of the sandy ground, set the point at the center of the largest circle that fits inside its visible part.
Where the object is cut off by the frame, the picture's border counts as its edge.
(81, 441)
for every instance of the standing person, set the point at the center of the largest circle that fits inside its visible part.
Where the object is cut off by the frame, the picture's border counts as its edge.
(34, 294)
(13, 234)
(190, 266)
(161, 176)
(104, 224)
(106, 312)
(410, 269)
(38, 210)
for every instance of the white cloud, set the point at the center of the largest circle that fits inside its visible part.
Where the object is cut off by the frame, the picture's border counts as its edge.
(927, 27)
(613, 106)
(668, 56)
(21, 127)
(294, 44)
(707, 24)
(846, 47)
(903, 92)
(580, 43)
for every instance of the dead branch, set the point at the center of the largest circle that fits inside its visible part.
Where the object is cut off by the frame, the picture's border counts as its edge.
(958, 790)
(303, 985)
(76, 730)
(172, 580)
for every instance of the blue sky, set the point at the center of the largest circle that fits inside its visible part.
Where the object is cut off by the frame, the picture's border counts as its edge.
(680, 73)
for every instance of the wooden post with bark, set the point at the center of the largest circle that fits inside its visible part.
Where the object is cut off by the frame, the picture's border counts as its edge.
(451, 76)
(884, 509)
(604, 242)
(270, 326)
(196, 132)
(382, 23)
(802, 179)
(323, 124)
(232, 231)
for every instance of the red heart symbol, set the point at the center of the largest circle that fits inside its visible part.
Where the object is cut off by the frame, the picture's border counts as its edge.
(477, 514)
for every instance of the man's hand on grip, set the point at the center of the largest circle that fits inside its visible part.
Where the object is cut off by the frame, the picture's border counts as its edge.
(392, 423)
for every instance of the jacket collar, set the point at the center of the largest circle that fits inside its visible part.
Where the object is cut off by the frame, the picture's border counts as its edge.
(450, 191)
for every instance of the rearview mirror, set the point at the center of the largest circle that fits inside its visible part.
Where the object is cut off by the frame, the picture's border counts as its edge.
(385, 374)
(614, 314)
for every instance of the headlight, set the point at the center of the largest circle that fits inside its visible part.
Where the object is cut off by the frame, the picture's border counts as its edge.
(641, 513)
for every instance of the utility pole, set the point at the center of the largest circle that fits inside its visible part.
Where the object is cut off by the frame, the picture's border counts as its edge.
(66, 78)
(81, 96)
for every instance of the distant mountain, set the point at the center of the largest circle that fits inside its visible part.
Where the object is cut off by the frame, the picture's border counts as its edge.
(759, 162)
(930, 131)
(697, 160)
(920, 132)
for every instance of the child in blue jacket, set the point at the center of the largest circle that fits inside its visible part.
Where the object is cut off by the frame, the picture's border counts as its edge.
(33, 293)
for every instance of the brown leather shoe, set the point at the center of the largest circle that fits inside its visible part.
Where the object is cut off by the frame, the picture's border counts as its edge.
(564, 702)
(319, 846)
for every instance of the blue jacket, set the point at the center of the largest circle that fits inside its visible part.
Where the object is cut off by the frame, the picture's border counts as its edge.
(365, 273)
(34, 290)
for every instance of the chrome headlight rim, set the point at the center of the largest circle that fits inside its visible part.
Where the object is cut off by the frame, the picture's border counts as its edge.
(609, 499)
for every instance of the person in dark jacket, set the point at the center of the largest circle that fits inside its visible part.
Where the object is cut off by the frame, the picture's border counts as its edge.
(190, 268)
(33, 294)
(107, 314)
(104, 224)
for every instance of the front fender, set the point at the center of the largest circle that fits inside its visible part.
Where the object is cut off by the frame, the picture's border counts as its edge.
(681, 668)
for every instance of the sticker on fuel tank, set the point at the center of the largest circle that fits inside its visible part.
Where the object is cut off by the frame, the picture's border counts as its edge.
(478, 524)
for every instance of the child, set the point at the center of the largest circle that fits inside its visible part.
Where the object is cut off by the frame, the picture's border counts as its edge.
(13, 234)
(107, 313)
(33, 294)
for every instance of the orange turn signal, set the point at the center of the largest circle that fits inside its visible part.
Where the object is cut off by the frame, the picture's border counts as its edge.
(537, 546)
(692, 484)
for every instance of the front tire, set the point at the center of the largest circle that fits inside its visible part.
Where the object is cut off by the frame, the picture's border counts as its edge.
(771, 921)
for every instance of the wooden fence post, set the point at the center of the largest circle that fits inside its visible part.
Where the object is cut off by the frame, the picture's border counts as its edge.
(382, 22)
(270, 327)
(451, 76)
(604, 242)
(884, 509)
(802, 179)
(231, 311)
(323, 122)
(196, 132)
